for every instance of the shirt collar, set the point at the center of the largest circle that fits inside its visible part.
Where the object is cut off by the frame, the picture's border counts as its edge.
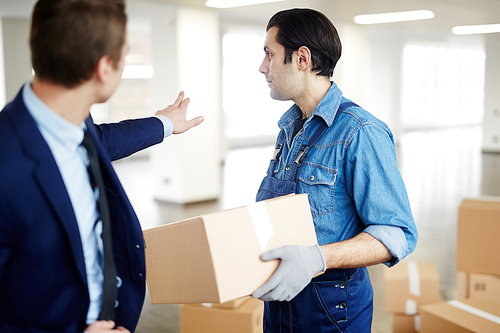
(326, 109)
(64, 131)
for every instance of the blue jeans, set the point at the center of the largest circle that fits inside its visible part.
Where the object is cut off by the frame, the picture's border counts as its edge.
(340, 300)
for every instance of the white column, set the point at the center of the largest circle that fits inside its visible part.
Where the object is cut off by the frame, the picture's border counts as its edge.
(491, 119)
(186, 55)
(3, 100)
(16, 55)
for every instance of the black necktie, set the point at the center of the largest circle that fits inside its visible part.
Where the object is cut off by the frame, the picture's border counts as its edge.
(110, 290)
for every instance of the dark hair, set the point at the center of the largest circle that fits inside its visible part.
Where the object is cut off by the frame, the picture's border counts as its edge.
(68, 37)
(307, 27)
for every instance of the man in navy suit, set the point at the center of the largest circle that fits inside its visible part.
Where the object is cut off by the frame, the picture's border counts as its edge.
(51, 257)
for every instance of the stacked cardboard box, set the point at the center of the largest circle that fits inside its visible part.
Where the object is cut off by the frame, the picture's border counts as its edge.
(242, 316)
(478, 265)
(478, 276)
(215, 258)
(408, 286)
(468, 316)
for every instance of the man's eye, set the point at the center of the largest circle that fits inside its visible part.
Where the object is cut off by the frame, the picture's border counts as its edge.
(268, 54)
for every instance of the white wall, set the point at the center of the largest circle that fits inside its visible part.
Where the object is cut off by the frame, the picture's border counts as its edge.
(491, 120)
(17, 61)
(186, 55)
(14, 51)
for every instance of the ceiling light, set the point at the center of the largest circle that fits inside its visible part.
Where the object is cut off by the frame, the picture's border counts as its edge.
(394, 17)
(235, 3)
(476, 29)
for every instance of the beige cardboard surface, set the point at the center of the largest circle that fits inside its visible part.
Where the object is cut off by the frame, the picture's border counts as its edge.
(445, 318)
(247, 318)
(405, 323)
(463, 285)
(477, 240)
(232, 304)
(214, 258)
(398, 294)
(484, 286)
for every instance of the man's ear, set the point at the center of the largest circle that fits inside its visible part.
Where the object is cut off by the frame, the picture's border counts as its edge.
(103, 69)
(304, 58)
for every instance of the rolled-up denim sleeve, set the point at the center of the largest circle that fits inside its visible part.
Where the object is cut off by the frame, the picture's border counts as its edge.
(379, 192)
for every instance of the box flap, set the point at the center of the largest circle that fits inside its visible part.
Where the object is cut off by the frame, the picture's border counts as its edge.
(194, 268)
(473, 315)
(291, 227)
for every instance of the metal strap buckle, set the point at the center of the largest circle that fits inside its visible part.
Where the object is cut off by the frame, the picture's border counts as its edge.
(301, 156)
(277, 151)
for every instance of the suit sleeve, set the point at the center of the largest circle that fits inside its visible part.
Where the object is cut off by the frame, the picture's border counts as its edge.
(130, 136)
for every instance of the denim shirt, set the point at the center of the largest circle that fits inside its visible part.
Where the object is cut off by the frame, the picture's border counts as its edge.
(350, 174)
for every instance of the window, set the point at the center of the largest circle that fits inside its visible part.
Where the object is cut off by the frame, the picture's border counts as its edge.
(442, 86)
(132, 99)
(251, 116)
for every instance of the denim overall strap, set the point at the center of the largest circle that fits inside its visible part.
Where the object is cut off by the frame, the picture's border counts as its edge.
(272, 187)
(301, 156)
(337, 301)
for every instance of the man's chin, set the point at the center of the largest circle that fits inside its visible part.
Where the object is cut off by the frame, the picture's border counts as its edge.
(278, 97)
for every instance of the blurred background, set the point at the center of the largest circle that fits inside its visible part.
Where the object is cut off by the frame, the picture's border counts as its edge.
(437, 86)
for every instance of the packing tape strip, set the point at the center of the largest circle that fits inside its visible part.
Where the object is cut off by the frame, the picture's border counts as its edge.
(413, 278)
(475, 311)
(410, 307)
(261, 223)
(416, 322)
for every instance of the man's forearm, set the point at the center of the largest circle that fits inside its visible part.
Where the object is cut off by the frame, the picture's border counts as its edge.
(360, 251)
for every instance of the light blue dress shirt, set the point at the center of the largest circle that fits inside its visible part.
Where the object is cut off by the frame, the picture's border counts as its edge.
(64, 139)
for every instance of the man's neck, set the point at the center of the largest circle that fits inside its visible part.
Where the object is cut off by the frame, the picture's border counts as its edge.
(315, 89)
(72, 104)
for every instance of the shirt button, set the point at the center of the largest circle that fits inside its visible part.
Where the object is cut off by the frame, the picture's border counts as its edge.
(342, 306)
(311, 178)
(342, 285)
(287, 168)
(138, 246)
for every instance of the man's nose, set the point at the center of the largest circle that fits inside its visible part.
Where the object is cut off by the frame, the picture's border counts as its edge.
(263, 68)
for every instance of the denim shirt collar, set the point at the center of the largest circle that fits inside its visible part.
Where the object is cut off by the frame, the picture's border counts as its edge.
(326, 109)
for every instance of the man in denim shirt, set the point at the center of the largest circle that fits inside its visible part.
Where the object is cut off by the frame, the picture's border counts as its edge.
(344, 158)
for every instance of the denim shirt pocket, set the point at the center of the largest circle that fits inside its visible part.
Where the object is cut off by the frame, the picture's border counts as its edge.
(319, 182)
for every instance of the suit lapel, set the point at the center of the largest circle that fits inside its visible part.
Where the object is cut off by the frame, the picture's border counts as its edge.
(48, 178)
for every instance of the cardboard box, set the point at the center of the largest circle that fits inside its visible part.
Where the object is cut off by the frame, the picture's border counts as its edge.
(245, 319)
(473, 315)
(484, 286)
(405, 323)
(231, 304)
(409, 285)
(477, 239)
(214, 258)
(462, 285)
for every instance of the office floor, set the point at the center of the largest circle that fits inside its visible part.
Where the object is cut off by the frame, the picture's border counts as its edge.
(440, 168)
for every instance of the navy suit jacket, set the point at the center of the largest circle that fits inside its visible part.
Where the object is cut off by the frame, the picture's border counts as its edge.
(43, 284)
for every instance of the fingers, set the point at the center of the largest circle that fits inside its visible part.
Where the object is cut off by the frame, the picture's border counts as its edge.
(184, 104)
(100, 326)
(196, 121)
(273, 254)
(180, 99)
(272, 290)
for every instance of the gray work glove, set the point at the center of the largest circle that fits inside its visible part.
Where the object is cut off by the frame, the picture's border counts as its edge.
(298, 266)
